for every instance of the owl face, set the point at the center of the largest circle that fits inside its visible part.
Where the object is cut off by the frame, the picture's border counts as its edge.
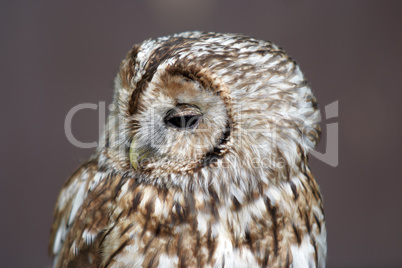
(181, 120)
(197, 107)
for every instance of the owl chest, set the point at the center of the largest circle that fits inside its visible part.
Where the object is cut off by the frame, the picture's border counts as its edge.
(173, 229)
(175, 237)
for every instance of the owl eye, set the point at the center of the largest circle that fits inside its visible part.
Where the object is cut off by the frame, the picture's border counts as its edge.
(184, 116)
(184, 122)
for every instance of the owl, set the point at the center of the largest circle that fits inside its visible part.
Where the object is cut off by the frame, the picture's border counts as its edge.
(203, 163)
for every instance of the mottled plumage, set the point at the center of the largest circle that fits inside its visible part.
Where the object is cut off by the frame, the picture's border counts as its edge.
(203, 163)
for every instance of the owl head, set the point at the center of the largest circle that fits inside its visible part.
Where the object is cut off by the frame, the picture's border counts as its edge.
(197, 109)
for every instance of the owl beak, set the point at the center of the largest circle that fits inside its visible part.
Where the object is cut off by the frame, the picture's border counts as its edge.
(183, 116)
(136, 154)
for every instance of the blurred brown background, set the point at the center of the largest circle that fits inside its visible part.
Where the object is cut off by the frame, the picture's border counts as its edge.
(55, 55)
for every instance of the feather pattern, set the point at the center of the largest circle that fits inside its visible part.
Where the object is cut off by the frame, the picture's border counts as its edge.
(229, 188)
